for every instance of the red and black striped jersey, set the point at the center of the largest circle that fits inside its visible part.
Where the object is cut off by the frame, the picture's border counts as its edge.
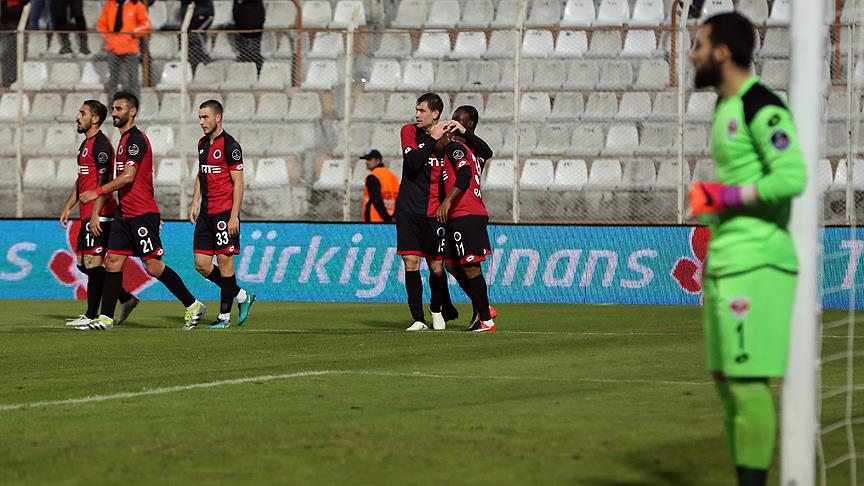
(420, 191)
(216, 160)
(95, 159)
(134, 150)
(458, 157)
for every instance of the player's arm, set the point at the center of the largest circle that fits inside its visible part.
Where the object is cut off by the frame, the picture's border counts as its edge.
(103, 153)
(123, 180)
(373, 186)
(235, 166)
(478, 145)
(70, 203)
(196, 197)
(95, 224)
(414, 158)
(463, 180)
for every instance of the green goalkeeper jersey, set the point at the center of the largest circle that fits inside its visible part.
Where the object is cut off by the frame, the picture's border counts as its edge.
(753, 141)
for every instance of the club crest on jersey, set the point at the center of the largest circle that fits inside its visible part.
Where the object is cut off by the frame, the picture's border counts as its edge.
(120, 150)
(732, 129)
(236, 155)
(84, 152)
(133, 150)
(103, 157)
(780, 140)
(217, 154)
(740, 307)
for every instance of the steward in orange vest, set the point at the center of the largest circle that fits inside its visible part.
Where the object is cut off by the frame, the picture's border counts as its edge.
(381, 191)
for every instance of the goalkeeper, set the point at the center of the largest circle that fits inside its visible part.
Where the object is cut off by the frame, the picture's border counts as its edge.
(751, 268)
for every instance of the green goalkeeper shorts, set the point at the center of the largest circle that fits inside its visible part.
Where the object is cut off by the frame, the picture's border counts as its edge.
(747, 322)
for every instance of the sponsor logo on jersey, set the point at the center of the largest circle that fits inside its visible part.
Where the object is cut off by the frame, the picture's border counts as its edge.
(458, 154)
(83, 169)
(102, 157)
(211, 169)
(780, 140)
(236, 155)
(133, 150)
(740, 307)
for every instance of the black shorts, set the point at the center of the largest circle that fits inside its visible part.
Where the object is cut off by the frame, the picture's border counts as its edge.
(90, 244)
(211, 235)
(138, 236)
(467, 239)
(419, 236)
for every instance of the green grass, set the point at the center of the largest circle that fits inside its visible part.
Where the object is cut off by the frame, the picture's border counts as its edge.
(594, 395)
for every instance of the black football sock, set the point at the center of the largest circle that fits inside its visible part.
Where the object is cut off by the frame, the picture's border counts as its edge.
(95, 283)
(437, 288)
(414, 287)
(752, 477)
(110, 291)
(462, 280)
(226, 296)
(172, 281)
(125, 295)
(480, 297)
(215, 276)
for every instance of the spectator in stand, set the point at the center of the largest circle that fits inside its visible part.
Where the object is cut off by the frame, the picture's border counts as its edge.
(10, 14)
(122, 24)
(249, 15)
(37, 8)
(202, 19)
(60, 10)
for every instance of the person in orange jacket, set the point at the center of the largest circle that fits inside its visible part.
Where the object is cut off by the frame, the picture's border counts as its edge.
(380, 191)
(122, 23)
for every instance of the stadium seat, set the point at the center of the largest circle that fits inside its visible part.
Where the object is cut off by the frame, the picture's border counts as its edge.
(91, 13)
(857, 175)
(477, 13)
(385, 138)
(570, 175)
(714, 7)
(471, 99)
(537, 43)
(367, 106)
(657, 139)
(648, 13)
(840, 177)
(222, 14)
(164, 46)
(46, 107)
(161, 139)
(209, 76)
(669, 176)
(701, 105)
(317, 14)
(825, 175)
(35, 75)
(272, 107)
(358, 174)
(567, 107)
(554, 139)
(505, 15)
(622, 140)
(274, 75)
(32, 139)
(653, 74)
(605, 174)
(499, 175)
(695, 140)
(571, 44)
(305, 106)
(665, 106)
(444, 14)
(196, 102)
(526, 75)
(499, 107)
(7, 148)
(836, 139)
(527, 140)
(483, 75)
(344, 12)
(578, 13)
(587, 140)
(241, 75)
(67, 172)
(536, 175)
(285, 50)
(322, 74)
(331, 176)
(386, 75)
(71, 104)
(158, 14)
(39, 173)
(361, 134)
(582, 75)
(417, 75)
(638, 174)
(705, 170)
(550, 75)
(501, 44)
(169, 110)
(781, 12)
(240, 106)
(775, 73)
(543, 13)
(59, 140)
(535, 106)
(613, 13)
(255, 141)
(271, 172)
(776, 43)
(601, 106)
(665, 47)
(469, 45)
(755, 10)
(605, 43)
(9, 106)
(327, 45)
(168, 173)
(222, 49)
(616, 74)
(172, 76)
(411, 14)
(449, 75)
(64, 75)
(433, 45)
(635, 105)
(835, 108)
(281, 15)
(639, 43)
(394, 44)
(400, 107)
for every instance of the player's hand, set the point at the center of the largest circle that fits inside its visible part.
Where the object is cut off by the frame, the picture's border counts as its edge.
(456, 126)
(713, 197)
(192, 216)
(233, 226)
(438, 130)
(87, 196)
(95, 226)
(443, 210)
(64, 218)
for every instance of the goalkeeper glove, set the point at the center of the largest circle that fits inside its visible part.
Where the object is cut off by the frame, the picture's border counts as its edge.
(713, 197)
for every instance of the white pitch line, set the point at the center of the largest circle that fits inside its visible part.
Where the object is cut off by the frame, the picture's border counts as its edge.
(161, 391)
(529, 378)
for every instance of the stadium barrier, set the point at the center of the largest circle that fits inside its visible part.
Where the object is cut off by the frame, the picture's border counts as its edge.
(358, 263)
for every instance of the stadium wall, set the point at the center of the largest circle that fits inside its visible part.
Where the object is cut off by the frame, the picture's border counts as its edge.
(358, 263)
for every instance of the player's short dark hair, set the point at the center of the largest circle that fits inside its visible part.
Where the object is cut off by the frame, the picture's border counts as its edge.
(736, 31)
(472, 113)
(213, 105)
(97, 108)
(127, 97)
(433, 101)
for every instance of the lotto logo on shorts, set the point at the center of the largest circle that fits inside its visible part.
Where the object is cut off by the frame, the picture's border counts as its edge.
(231, 248)
(740, 307)
(160, 252)
(470, 258)
(97, 250)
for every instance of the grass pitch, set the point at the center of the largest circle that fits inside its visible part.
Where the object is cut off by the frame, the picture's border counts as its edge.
(338, 393)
